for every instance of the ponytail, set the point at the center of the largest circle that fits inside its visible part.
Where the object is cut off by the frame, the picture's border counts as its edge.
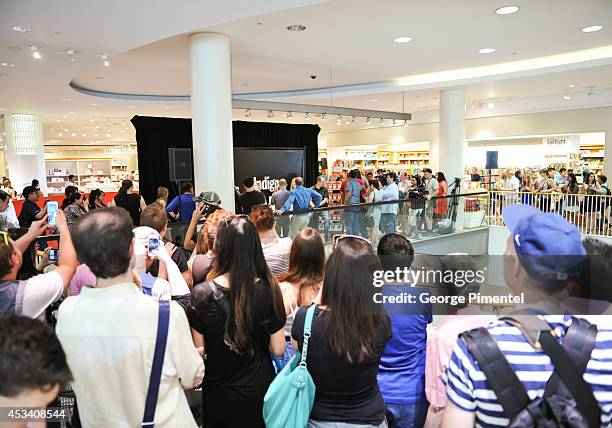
(125, 185)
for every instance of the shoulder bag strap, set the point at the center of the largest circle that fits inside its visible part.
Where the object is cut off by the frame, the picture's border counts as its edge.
(498, 371)
(219, 297)
(529, 324)
(158, 361)
(307, 328)
(572, 379)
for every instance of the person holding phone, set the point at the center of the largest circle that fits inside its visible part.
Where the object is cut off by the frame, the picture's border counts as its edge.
(75, 209)
(32, 297)
(30, 211)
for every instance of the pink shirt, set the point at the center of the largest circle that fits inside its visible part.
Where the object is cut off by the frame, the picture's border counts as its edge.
(440, 345)
(83, 276)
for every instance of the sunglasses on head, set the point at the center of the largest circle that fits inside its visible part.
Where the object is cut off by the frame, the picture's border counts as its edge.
(338, 238)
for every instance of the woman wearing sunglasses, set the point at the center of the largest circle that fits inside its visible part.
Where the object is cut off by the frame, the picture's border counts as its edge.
(349, 335)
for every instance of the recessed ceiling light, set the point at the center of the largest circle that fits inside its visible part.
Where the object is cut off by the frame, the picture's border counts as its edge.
(60, 134)
(71, 112)
(21, 29)
(567, 97)
(65, 130)
(486, 50)
(94, 105)
(571, 85)
(402, 39)
(507, 10)
(592, 28)
(84, 134)
(105, 59)
(74, 134)
(67, 99)
(374, 101)
(35, 52)
(7, 64)
(95, 135)
(296, 27)
(491, 106)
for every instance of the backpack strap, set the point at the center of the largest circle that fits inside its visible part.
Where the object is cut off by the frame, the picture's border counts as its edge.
(530, 325)
(579, 342)
(572, 379)
(163, 322)
(498, 371)
(219, 297)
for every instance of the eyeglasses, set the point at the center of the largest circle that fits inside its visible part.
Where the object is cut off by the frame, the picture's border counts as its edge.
(5, 237)
(338, 238)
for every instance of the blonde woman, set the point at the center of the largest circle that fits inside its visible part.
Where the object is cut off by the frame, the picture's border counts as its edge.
(162, 195)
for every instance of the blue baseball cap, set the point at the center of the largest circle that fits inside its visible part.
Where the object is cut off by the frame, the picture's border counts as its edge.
(549, 247)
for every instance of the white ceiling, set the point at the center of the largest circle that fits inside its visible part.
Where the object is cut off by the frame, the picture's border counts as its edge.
(347, 42)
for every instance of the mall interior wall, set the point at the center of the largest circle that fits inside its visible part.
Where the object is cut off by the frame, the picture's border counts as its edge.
(595, 119)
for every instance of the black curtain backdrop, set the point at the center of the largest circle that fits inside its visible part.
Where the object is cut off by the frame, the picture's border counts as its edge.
(154, 135)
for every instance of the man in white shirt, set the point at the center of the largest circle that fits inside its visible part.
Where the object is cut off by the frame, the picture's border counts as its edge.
(109, 334)
(32, 297)
(8, 216)
(389, 211)
(511, 185)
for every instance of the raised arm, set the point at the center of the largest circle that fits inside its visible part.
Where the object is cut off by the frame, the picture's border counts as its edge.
(68, 261)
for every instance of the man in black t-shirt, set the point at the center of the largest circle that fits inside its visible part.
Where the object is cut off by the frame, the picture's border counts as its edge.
(321, 189)
(250, 197)
(475, 176)
(30, 211)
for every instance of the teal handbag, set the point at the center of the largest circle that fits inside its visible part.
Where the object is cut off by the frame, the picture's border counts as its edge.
(290, 397)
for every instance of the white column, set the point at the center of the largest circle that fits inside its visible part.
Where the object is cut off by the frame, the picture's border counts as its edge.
(211, 112)
(451, 145)
(22, 168)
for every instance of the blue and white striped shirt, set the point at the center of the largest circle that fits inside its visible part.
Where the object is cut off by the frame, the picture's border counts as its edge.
(467, 388)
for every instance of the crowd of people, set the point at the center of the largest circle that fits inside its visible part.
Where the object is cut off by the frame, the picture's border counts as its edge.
(234, 311)
(556, 191)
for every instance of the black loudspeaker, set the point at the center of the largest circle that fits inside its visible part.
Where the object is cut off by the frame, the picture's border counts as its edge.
(179, 164)
(324, 163)
(491, 160)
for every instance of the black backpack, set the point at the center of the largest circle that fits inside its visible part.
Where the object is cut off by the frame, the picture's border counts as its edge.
(568, 400)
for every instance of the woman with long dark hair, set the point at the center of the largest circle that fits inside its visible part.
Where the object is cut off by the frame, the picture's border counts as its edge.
(349, 335)
(131, 202)
(75, 209)
(301, 284)
(590, 205)
(96, 199)
(69, 191)
(241, 317)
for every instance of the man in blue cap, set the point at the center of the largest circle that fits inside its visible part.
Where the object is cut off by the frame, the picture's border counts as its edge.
(544, 253)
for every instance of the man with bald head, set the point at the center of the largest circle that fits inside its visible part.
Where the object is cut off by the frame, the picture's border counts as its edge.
(109, 333)
(300, 198)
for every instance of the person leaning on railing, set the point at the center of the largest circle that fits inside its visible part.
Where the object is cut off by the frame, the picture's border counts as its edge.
(569, 203)
(591, 205)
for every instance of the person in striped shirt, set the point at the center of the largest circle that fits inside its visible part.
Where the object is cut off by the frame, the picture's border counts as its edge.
(543, 255)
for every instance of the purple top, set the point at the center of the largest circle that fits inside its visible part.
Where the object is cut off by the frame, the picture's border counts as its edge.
(82, 276)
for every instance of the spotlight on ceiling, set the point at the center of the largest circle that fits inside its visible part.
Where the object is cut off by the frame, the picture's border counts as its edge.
(35, 52)
(71, 53)
(507, 10)
(289, 115)
(567, 96)
(402, 39)
(382, 122)
(368, 121)
(393, 122)
(307, 116)
(339, 120)
(405, 122)
(270, 114)
(296, 27)
(323, 116)
(486, 51)
(21, 29)
(592, 28)
(247, 113)
(105, 59)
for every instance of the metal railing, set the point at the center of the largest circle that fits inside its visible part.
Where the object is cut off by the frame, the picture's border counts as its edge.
(590, 213)
(415, 217)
